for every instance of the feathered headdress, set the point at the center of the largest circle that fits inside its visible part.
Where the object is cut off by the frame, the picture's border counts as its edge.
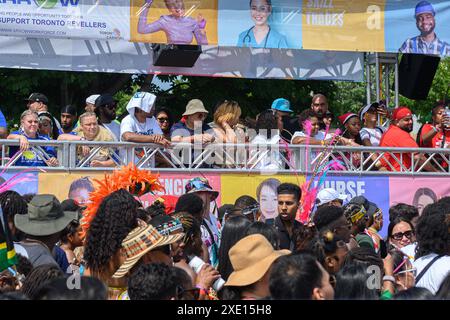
(309, 188)
(137, 182)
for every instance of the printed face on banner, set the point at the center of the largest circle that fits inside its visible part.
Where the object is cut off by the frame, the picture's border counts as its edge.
(174, 21)
(418, 192)
(260, 23)
(76, 186)
(343, 25)
(262, 187)
(418, 27)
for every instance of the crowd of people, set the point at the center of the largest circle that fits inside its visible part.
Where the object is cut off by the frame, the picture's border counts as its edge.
(148, 121)
(189, 249)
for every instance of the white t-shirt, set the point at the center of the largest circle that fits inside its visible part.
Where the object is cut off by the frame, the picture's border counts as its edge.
(319, 136)
(151, 126)
(113, 128)
(432, 279)
(130, 124)
(272, 160)
(373, 134)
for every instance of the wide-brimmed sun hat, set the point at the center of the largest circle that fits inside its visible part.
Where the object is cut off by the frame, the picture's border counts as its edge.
(45, 216)
(194, 106)
(251, 257)
(138, 242)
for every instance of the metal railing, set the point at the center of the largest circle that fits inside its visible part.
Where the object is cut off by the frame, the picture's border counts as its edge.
(251, 158)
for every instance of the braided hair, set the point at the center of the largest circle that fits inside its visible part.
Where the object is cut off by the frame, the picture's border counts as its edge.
(13, 203)
(115, 218)
(38, 277)
(364, 256)
(191, 228)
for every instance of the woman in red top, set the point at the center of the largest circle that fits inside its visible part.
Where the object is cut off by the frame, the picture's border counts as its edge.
(436, 135)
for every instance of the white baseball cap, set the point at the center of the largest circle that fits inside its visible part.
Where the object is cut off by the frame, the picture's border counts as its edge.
(91, 99)
(327, 195)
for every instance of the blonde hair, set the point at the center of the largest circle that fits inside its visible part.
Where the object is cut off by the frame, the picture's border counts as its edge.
(28, 113)
(228, 111)
(87, 114)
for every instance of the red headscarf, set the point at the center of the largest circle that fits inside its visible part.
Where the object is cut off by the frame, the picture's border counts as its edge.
(400, 113)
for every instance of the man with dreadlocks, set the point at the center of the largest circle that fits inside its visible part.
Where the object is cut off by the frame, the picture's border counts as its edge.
(12, 203)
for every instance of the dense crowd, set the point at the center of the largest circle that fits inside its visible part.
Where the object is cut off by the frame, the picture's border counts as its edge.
(148, 121)
(188, 249)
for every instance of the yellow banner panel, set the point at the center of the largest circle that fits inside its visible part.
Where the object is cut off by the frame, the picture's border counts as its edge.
(343, 25)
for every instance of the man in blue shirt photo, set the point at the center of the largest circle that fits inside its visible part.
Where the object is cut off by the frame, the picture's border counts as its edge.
(427, 42)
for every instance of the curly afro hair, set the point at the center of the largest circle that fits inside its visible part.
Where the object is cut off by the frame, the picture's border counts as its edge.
(432, 234)
(115, 218)
(154, 281)
(326, 216)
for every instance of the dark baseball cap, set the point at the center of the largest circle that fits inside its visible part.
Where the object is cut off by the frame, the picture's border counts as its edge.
(70, 109)
(104, 99)
(37, 97)
(370, 207)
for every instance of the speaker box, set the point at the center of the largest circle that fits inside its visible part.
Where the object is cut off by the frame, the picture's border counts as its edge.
(416, 73)
(171, 55)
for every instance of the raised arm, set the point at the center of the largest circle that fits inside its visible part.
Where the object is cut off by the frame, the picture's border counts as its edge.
(143, 27)
(200, 32)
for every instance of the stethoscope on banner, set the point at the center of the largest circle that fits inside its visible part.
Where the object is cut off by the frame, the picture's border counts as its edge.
(247, 36)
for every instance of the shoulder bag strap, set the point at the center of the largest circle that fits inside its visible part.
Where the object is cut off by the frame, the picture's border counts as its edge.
(428, 266)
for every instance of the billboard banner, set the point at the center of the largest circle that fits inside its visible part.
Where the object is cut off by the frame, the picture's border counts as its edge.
(78, 185)
(384, 191)
(28, 185)
(411, 26)
(374, 188)
(418, 192)
(76, 19)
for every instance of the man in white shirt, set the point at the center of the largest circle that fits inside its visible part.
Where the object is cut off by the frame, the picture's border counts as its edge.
(140, 125)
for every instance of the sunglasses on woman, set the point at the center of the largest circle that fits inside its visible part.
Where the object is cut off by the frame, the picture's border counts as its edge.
(163, 119)
(399, 235)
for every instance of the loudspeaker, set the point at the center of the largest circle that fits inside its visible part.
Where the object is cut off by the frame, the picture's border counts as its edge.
(416, 73)
(171, 55)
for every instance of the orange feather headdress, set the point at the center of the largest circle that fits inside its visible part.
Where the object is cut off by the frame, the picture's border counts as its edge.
(137, 182)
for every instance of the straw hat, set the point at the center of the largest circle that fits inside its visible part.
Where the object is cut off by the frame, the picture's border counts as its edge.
(251, 258)
(139, 241)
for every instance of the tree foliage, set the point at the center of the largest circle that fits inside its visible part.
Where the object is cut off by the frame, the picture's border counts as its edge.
(254, 95)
